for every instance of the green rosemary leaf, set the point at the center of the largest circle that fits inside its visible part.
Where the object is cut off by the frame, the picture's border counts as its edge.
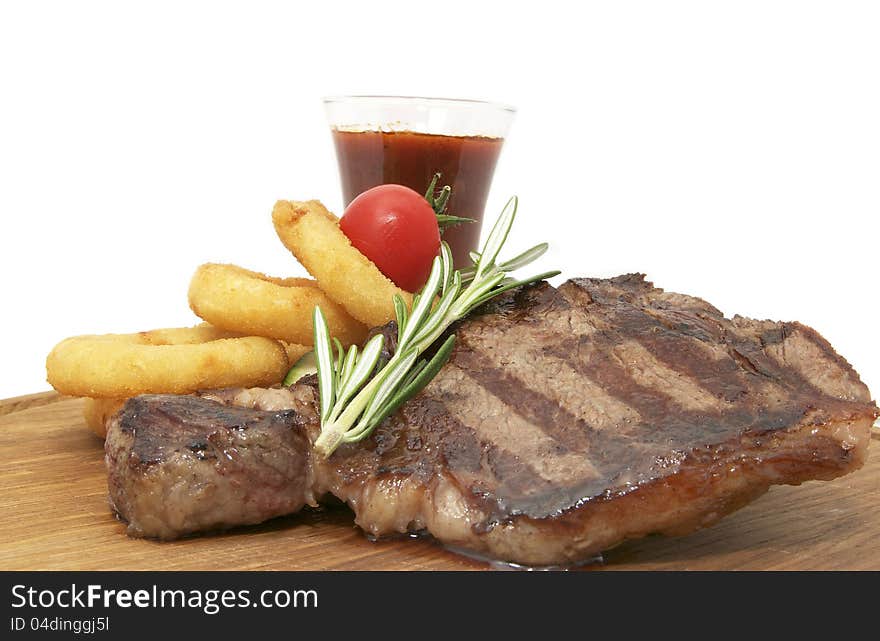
(324, 357)
(340, 356)
(347, 367)
(415, 371)
(446, 262)
(496, 238)
(360, 372)
(401, 313)
(415, 303)
(523, 259)
(421, 308)
(395, 374)
(440, 312)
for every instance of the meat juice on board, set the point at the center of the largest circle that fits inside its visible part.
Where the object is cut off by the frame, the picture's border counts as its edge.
(466, 163)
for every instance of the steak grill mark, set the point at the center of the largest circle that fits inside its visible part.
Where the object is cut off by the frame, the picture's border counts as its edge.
(700, 402)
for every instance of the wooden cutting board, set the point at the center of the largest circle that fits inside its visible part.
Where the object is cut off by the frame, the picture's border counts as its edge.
(53, 501)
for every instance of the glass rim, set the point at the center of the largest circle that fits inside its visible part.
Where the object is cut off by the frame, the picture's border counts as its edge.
(375, 98)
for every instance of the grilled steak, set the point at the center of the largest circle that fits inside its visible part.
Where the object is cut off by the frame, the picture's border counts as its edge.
(568, 420)
(179, 464)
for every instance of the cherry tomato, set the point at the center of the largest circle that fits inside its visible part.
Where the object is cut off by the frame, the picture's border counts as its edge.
(396, 228)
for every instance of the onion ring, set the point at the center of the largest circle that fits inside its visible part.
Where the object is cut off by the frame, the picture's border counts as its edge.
(167, 361)
(251, 303)
(96, 412)
(347, 276)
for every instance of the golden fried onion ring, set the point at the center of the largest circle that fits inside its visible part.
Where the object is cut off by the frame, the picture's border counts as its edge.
(251, 303)
(165, 361)
(97, 411)
(347, 276)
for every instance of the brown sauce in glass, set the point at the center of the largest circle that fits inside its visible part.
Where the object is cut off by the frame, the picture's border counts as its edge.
(370, 158)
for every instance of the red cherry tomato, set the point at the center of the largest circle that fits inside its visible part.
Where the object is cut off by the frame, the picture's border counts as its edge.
(396, 228)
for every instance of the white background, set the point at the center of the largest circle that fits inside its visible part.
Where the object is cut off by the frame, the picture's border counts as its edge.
(730, 150)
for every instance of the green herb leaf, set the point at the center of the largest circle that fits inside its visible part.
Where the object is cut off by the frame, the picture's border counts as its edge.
(497, 237)
(361, 371)
(347, 367)
(528, 256)
(525, 258)
(401, 313)
(340, 356)
(435, 322)
(417, 368)
(446, 260)
(396, 373)
(421, 305)
(324, 357)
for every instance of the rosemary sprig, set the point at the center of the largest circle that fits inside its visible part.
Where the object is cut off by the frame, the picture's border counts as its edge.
(352, 402)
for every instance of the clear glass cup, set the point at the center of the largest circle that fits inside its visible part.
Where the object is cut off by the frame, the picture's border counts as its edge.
(406, 140)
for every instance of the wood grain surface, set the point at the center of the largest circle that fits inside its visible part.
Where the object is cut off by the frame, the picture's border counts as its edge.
(53, 501)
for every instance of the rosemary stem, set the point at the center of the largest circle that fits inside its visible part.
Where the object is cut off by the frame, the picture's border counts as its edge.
(329, 439)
